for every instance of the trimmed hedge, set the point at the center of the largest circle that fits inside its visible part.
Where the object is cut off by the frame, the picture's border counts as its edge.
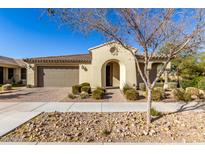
(85, 84)
(84, 95)
(157, 94)
(125, 88)
(98, 94)
(132, 94)
(76, 89)
(100, 88)
(181, 95)
(86, 89)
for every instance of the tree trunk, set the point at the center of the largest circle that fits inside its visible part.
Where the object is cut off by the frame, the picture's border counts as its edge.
(149, 103)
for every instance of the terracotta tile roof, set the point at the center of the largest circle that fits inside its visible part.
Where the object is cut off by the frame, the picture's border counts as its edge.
(10, 61)
(79, 58)
(155, 57)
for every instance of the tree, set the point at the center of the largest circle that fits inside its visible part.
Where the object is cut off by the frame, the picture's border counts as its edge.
(147, 29)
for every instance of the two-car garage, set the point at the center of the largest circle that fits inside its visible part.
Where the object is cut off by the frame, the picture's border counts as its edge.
(57, 76)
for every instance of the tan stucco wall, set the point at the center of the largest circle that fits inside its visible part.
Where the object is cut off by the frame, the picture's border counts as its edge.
(102, 55)
(85, 73)
(31, 74)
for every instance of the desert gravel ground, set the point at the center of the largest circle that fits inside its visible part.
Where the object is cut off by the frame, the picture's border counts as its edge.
(184, 127)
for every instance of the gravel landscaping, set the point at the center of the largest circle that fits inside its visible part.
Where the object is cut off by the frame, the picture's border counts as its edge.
(184, 127)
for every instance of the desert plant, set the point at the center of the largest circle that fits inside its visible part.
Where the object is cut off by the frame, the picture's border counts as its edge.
(125, 88)
(157, 94)
(154, 112)
(6, 87)
(142, 86)
(76, 89)
(187, 97)
(84, 95)
(97, 94)
(201, 84)
(85, 84)
(194, 92)
(132, 94)
(102, 89)
(172, 85)
(71, 96)
(86, 89)
(178, 93)
(187, 83)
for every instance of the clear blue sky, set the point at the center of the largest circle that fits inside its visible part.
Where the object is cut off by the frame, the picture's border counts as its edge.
(23, 33)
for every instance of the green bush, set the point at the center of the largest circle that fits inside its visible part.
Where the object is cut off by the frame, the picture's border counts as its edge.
(142, 86)
(71, 96)
(85, 84)
(132, 94)
(76, 89)
(98, 94)
(187, 97)
(86, 89)
(192, 91)
(84, 95)
(201, 84)
(187, 83)
(102, 89)
(6, 87)
(154, 112)
(157, 94)
(180, 95)
(125, 88)
(159, 84)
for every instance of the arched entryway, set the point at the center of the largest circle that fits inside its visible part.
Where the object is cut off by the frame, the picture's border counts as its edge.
(113, 74)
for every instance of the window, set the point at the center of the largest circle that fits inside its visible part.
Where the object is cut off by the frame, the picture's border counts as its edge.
(10, 73)
(23, 74)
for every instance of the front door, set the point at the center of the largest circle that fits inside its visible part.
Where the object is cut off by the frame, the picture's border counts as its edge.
(1, 75)
(108, 79)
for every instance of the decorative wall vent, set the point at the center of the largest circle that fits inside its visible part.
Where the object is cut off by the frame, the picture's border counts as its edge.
(114, 51)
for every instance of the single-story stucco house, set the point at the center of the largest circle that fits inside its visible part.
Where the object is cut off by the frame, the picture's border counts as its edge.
(12, 70)
(106, 65)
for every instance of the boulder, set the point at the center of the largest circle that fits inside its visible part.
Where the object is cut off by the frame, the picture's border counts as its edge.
(6, 87)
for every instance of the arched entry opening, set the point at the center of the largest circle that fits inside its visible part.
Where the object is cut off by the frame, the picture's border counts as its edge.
(112, 74)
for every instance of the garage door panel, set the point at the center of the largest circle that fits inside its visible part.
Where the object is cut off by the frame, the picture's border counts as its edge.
(58, 76)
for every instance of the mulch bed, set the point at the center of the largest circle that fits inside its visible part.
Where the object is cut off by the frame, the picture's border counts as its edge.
(184, 127)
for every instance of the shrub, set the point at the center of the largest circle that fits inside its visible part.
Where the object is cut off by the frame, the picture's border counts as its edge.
(172, 85)
(71, 96)
(76, 89)
(187, 97)
(102, 89)
(159, 84)
(125, 88)
(194, 92)
(97, 94)
(84, 95)
(178, 93)
(187, 83)
(201, 84)
(85, 84)
(132, 94)
(86, 89)
(142, 86)
(154, 112)
(157, 94)
(6, 87)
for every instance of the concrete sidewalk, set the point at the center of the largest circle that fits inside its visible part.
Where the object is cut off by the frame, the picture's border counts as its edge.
(13, 115)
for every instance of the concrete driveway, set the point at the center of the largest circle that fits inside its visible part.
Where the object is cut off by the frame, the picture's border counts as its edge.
(36, 95)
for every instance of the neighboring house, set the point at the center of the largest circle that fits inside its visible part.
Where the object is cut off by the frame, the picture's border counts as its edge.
(12, 70)
(106, 65)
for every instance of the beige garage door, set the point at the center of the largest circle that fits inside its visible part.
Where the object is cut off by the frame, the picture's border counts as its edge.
(58, 76)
